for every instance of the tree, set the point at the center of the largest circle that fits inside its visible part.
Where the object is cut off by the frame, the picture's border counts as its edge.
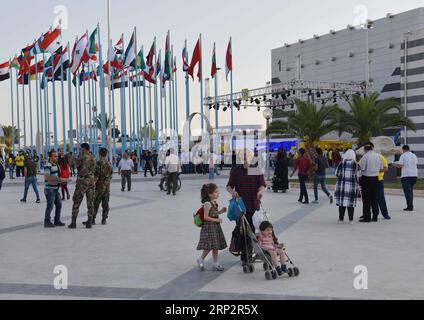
(368, 117)
(8, 136)
(309, 123)
(97, 123)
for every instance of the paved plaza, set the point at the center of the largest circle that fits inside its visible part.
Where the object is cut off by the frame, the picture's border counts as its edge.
(148, 250)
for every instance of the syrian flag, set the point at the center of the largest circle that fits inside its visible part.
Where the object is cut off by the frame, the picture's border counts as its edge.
(119, 48)
(80, 54)
(149, 59)
(4, 71)
(51, 41)
(185, 60)
(61, 61)
(93, 46)
(214, 70)
(229, 60)
(121, 80)
(136, 80)
(130, 54)
(197, 59)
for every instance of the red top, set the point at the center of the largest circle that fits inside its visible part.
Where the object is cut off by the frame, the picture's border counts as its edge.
(65, 172)
(303, 164)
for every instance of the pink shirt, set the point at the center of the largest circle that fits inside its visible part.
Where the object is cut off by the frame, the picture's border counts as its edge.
(266, 242)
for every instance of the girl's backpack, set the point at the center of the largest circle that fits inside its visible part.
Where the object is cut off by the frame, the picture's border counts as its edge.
(199, 217)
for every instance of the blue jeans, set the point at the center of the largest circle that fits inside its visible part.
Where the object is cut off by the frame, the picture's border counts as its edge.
(211, 174)
(382, 199)
(408, 184)
(31, 181)
(320, 179)
(53, 198)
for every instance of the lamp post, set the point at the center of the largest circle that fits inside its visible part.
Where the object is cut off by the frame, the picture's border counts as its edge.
(268, 116)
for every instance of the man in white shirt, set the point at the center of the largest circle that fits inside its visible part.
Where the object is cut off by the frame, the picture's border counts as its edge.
(125, 168)
(408, 162)
(173, 167)
(371, 166)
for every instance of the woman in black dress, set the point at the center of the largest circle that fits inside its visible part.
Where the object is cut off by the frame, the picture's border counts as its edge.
(281, 175)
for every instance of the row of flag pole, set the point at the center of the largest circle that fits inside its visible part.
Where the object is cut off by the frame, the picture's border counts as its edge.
(144, 110)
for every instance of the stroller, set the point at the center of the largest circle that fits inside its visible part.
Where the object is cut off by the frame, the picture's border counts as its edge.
(261, 256)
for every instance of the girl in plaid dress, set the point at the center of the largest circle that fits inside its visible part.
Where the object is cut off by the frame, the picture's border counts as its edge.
(211, 236)
(347, 186)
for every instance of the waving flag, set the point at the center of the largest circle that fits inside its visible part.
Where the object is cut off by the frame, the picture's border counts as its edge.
(214, 69)
(168, 66)
(61, 61)
(15, 63)
(197, 59)
(24, 63)
(4, 71)
(51, 41)
(93, 46)
(130, 53)
(229, 60)
(185, 60)
(119, 48)
(150, 58)
(80, 54)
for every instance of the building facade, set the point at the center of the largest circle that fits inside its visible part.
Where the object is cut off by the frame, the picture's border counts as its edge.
(374, 54)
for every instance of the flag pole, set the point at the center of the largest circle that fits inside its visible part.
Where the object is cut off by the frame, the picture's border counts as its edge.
(216, 91)
(123, 108)
(232, 96)
(96, 116)
(24, 109)
(176, 96)
(163, 115)
(46, 130)
(13, 111)
(187, 83)
(150, 117)
(111, 155)
(63, 90)
(56, 145)
(102, 91)
(77, 112)
(145, 108)
(137, 88)
(201, 81)
(130, 106)
(112, 93)
(156, 110)
(82, 131)
(38, 113)
(30, 113)
(41, 135)
(71, 124)
(18, 113)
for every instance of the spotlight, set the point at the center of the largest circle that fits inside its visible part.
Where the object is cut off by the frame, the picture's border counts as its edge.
(225, 109)
(259, 109)
(257, 101)
(240, 102)
(251, 100)
(217, 106)
(210, 106)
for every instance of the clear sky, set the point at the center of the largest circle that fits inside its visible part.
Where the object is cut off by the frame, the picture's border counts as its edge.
(256, 28)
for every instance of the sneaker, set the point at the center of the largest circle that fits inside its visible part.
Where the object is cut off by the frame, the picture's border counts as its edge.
(218, 267)
(201, 264)
(284, 268)
(59, 224)
(315, 202)
(38, 201)
(387, 217)
(23, 200)
(123, 190)
(408, 209)
(49, 225)
(68, 197)
(104, 222)
(331, 199)
(305, 202)
(340, 221)
(351, 223)
(279, 271)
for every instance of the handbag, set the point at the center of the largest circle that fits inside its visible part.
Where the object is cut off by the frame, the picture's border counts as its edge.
(235, 209)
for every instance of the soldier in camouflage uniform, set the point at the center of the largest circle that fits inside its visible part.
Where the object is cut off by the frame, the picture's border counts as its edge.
(86, 165)
(103, 174)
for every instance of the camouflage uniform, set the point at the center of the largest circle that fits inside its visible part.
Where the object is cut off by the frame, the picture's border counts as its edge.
(103, 174)
(86, 165)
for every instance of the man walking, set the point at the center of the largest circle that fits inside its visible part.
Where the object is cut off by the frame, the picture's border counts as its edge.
(103, 174)
(155, 159)
(51, 191)
(19, 161)
(149, 164)
(303, 165)
(381, 197)
(173, 167)
(408, 162)
(320, 167)
(371, 166)
(30, 173)
(125, 168)
(86, 165)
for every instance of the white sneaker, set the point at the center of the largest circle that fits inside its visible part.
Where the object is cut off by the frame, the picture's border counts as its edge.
(340, 222)
(218, 267)
(201, 264)
(352, 223)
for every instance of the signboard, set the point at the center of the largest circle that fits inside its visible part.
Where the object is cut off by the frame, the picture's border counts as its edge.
(245, 94)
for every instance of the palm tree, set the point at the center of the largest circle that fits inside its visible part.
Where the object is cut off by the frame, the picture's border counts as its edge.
(8, 136)
(368, 117)
(97, 122)
(309, 123)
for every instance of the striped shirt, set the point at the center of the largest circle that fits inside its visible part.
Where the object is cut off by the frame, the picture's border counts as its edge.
(266, 242)
(53, 171)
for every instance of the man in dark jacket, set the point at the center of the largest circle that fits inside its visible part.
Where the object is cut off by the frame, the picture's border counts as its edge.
(2, 174)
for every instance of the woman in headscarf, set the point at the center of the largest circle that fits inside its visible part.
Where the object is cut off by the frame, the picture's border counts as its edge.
(281, 178)
(347, 186)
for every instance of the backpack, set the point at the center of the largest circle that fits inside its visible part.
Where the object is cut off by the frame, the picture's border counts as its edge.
(199, 217)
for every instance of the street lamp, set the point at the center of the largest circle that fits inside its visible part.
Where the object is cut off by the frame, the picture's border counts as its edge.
(268, 116)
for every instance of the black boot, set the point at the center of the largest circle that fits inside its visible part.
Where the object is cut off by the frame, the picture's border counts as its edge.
(89, 223)
(73, 225)
(104, 221)
(93, 223)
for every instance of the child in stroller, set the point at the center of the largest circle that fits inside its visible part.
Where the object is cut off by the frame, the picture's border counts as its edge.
(269, 244)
